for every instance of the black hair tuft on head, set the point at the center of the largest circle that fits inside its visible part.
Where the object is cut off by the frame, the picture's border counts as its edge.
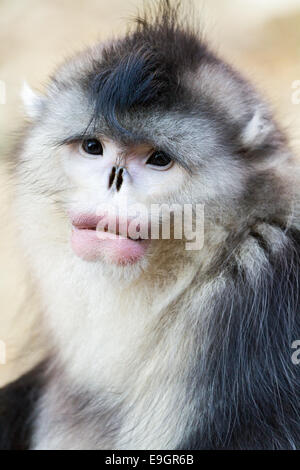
(145, 68)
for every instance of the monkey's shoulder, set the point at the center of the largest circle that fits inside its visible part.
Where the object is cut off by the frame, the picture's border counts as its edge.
(270, 242)
(17, 409)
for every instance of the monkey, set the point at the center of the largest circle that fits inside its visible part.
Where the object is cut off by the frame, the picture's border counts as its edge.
(153, 345)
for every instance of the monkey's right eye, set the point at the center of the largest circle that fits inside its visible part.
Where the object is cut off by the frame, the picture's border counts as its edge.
(92, 147)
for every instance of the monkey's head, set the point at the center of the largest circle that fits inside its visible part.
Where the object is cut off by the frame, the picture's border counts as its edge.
(153, 118)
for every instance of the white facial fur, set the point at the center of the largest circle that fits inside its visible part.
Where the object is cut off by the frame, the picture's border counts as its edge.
(90, 175)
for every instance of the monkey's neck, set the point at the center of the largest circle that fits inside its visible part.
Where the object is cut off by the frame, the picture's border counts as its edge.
(118, 344)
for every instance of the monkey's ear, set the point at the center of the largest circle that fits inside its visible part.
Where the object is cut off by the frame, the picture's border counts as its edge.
(258, 129)
(33, 102)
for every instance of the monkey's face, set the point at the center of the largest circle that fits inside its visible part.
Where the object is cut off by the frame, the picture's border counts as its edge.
(113, 187)
(119, 132)
(106, 189)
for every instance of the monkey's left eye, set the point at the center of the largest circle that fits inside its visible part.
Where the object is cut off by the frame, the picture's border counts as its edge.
(92, 147)
(159, 160)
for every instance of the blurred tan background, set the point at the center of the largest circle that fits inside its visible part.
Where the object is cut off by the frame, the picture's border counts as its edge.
(261, 37)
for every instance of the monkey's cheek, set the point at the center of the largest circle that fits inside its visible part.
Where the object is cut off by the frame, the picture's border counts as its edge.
(89, 245)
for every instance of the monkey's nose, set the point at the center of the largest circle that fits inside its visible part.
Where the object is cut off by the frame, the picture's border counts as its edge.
(116, 176)
(119, 179)
(111, 178)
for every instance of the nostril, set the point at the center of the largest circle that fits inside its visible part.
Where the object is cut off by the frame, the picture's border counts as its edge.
(119, 179)
(111, 177)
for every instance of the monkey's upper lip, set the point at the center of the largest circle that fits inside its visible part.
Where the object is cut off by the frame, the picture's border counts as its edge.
(112, 227)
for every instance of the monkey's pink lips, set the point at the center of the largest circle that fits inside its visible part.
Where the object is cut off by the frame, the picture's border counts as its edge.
(91, 243)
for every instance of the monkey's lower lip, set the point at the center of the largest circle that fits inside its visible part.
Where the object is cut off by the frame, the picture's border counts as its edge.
(92, 245)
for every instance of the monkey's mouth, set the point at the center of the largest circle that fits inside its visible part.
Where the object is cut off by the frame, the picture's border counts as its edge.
(95, 237)
(112, 235)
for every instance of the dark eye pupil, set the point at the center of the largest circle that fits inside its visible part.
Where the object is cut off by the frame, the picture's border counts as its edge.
(159, 159)
(92, 146)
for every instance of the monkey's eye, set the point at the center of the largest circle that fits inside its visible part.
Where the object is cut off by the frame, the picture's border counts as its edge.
(159, 160)
(92, 147)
